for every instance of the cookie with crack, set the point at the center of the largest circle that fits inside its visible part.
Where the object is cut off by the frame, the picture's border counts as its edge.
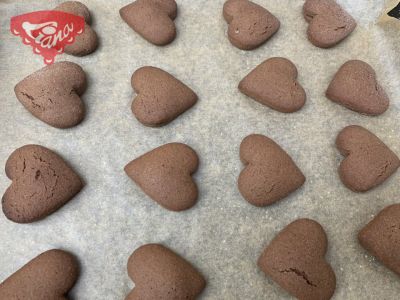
(53, 94)
(295, 259)
(329, 23)
(42, 182)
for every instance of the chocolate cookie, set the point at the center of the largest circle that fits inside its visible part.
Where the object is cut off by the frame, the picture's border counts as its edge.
(164, 174)
(269, 174)
(329, 23)
(52, 94)
(368, 161)
(86, 42)
(273, 83)
(355, 87)
(49, 276)
(42, 182)
(160, 96)
(159, 273)
(250, 25)
(152, 19)
(295, 259)
(381, 237)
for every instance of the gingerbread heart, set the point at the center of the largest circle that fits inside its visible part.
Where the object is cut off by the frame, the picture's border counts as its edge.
(368, 162)
(42, 182)
(329, 23)
(52, 94)
(86, 42)
(250, 25)
(152, 19)
(159, 273)
(269, 174)
(49, 276)
(295, 259)
(160, 96)
(355, 86)
(381, 237)
(274, 84)
(164, 174)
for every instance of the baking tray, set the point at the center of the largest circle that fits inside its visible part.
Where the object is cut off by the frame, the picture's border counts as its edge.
(222, 235)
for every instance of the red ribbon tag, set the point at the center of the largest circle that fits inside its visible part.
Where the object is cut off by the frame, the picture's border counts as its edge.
(48, 31)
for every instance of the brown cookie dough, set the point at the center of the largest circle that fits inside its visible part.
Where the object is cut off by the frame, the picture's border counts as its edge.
(49, 276)
(86, 42)
(160, 96)
(164, 174)
(329, 23)
(381, 237)
(368, 161)
(159, 273)
(42, 182)
(269, 174)
(250, 25)
(295, 259)
(355, 86)
(274, 84)
(52, 94)
(152, 19)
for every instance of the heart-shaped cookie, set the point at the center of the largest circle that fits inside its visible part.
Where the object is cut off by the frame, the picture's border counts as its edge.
(329, 23)
(381, 237)
(159, 273)
(152, 19)
(355, 86)
(52, 94)
(269, 174)
(86, 42)
(164, 174)
(250, 25)
(274, 84)
(42, 182)
(368, 162)
(295, 259)
(49, 276)
(160, 96)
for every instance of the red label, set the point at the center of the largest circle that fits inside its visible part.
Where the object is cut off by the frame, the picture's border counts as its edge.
(48, 31)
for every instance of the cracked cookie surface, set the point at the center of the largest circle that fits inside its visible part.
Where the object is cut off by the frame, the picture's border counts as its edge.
(52, 94)
(42, 182)
(329, 23)
(295, 259)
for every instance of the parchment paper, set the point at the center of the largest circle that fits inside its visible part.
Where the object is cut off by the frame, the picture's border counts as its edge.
(222, 235)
